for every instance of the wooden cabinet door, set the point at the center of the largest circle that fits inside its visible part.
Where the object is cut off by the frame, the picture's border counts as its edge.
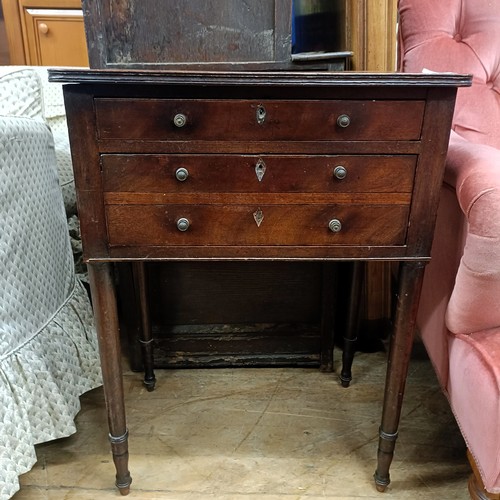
(55, 37)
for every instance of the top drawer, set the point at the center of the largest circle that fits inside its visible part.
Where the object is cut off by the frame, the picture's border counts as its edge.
(249, 120)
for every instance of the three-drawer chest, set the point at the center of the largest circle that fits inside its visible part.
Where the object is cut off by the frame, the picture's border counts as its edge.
(220, 166)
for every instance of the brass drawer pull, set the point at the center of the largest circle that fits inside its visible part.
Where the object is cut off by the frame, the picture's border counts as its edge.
(340, 172)
(183, 224)
(181, 174)
(335, 226)
(180, 120)
(343, 121)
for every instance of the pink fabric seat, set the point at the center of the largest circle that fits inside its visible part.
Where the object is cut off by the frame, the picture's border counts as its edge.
(459, 314)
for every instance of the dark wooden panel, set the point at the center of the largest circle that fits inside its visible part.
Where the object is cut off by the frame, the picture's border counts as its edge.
(198, 293)
(139, 146)
(250, 198)
(158, 33)
(267, 252)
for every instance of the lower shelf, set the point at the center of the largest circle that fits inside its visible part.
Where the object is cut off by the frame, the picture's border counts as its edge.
(232, 346)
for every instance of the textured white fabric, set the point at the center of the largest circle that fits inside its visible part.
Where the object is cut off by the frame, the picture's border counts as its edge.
(54, 114)
(20, 92)
(26, 91)
(48, 351)
(64, 164)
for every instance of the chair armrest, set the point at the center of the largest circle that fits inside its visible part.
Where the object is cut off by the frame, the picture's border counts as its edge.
(474, 169)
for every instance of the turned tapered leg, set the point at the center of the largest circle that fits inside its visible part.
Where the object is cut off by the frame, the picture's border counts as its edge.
(104, 304)
(146, 337)
(329, 287)
(353, 319)
(410, 284)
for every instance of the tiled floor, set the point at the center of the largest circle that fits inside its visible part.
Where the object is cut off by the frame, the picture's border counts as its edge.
(260, 433)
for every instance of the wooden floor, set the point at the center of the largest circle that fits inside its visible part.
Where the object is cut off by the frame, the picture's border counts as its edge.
(260, 433)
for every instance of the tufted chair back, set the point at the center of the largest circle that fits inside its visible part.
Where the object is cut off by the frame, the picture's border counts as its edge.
(461, 36)
(464, 36)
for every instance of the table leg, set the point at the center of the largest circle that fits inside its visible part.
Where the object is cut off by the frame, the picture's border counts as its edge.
(410, 284)
(146, 337)
(329, 288)
(353, 319)
(104, 304)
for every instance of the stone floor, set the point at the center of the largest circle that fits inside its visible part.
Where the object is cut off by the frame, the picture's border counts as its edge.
(260, 433)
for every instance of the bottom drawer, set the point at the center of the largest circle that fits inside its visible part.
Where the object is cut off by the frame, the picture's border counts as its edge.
(241, 225)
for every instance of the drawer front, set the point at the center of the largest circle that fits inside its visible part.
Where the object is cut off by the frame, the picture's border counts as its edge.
(261, 174)
(247, 120)
(240, 225)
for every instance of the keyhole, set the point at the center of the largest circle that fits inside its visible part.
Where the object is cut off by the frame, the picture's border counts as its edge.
(261, 114)
(260, 169)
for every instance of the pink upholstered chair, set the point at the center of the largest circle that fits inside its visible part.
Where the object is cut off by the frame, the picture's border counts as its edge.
(459, 314)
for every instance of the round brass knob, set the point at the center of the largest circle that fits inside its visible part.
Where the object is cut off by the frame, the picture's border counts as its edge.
(343, 121)
(340, 172)
(43, 28)
(181, 174)
(180, 120)
(334, 225)
(183, 224)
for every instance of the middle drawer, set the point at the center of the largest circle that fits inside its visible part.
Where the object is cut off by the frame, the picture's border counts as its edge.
(257, 173)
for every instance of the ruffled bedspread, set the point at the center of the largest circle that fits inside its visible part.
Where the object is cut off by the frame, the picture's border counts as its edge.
(48, 347)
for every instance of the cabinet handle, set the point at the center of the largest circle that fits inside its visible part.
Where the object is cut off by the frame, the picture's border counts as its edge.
(43, 28)
(183, 224)
(343, 121)
(335, 226)
(340, 172)
(181, 174)
(180, 120)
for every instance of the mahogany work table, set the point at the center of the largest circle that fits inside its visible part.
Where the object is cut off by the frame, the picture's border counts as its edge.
(184, 165)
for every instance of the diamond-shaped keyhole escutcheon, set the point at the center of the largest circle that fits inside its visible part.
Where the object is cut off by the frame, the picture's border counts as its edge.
(260, 169)
(258, 216)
